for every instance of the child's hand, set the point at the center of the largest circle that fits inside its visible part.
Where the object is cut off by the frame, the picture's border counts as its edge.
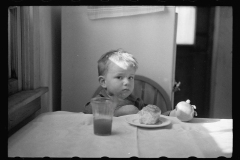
(125, 110)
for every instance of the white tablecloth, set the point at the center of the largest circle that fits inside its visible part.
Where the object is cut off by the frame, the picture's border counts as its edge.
(67, 134)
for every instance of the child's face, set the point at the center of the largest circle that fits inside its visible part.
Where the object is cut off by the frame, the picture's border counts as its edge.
(119, 80)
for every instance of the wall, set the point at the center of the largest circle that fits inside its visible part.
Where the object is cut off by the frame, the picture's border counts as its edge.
(50, 56)
(150, 38)
(221, 91)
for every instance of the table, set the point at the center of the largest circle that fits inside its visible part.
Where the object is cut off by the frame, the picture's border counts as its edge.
(68, 134)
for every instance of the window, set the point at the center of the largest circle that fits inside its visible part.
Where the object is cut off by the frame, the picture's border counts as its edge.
(186, 25)
(24, 90)
(23, 48)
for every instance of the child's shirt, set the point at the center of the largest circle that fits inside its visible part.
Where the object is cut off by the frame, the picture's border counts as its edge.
(130, 100)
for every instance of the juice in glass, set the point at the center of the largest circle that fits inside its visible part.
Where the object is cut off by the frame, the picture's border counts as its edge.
(102, 126)
(103, 111)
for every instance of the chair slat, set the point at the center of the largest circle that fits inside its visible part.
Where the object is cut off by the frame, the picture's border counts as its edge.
(142, 89)
(155, 96)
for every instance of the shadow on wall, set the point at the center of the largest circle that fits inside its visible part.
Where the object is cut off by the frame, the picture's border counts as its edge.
(56, 60)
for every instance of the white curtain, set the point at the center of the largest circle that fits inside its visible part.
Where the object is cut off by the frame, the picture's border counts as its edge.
(97, 12)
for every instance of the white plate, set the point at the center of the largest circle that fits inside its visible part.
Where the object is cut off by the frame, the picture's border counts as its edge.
(133, 120)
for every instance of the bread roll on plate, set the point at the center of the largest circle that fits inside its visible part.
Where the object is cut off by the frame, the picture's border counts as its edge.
(150, 114)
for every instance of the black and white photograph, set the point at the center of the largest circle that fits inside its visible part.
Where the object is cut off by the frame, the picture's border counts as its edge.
(120, 81)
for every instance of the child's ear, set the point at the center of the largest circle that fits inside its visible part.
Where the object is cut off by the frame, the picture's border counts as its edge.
(102, 81)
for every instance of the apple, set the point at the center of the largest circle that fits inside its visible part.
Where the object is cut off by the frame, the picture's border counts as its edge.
(185, 111)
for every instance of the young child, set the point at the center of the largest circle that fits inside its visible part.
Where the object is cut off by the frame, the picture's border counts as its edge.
(116, 71)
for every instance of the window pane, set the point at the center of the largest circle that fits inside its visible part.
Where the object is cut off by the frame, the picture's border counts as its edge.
(186, 24)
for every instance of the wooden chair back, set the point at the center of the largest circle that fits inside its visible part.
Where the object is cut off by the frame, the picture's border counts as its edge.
(149, 91)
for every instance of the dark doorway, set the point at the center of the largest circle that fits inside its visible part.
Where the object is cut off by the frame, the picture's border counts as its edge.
(193, 64)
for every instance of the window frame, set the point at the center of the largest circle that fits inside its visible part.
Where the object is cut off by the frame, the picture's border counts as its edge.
(14, 50)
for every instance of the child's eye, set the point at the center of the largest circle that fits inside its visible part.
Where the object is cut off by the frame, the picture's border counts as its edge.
(131, 77)
(119, 77)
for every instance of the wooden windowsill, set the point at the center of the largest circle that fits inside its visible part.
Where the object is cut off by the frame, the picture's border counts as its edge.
(22, 98)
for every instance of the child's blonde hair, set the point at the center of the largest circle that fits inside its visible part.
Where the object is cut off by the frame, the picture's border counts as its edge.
(119, 56)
